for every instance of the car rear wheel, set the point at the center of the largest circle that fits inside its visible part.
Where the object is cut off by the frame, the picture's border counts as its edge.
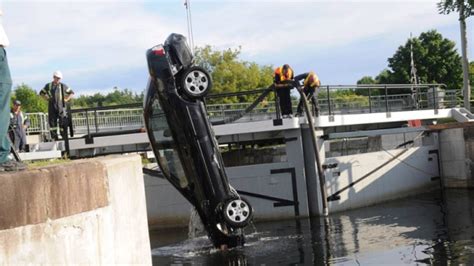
(196, 82)
(238, 212)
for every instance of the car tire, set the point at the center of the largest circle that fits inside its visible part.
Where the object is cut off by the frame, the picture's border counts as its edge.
(237, 212)
(196, 82)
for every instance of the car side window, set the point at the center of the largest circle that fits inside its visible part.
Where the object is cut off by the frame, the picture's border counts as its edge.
(168, 157)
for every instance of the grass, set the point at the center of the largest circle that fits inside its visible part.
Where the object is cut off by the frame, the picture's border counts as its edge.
(42, 163)
(446, 120)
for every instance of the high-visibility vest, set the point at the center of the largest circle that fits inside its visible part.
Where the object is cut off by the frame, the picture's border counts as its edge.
(312, 80)
(289, 75)
(23, 117)
(49, 88)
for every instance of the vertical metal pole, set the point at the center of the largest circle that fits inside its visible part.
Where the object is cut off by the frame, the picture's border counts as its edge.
(87, 123)
(370, 101)
(465, 63)
(329, 100)
(277, 104)
(95, 122)
(386, 99)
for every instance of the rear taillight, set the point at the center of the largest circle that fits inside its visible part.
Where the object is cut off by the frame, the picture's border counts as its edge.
(158, 50)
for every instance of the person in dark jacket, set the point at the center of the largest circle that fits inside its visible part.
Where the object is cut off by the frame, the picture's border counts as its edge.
(58, 95)
(19, 122)
(283, 82)
(310, 82)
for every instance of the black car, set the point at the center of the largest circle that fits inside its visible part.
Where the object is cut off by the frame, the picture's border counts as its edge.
(184, 143)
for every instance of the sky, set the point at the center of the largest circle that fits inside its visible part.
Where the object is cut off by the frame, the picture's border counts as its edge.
(101, 44)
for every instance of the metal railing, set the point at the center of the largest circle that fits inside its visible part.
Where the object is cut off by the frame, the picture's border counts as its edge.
(385, 98)
(38, 124)
(331, 101)
(107, 120)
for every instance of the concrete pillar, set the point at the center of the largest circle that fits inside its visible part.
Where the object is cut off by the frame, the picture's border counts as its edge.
(294, 152)
(469, 139)
(455, 166)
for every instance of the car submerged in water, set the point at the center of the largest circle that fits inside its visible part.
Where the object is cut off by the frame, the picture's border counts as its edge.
(184, 143)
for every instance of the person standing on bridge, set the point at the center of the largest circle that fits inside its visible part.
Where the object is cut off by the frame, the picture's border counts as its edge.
(310, 82)
(283, 83)
(19, 122)
(58, 95)
(6, 164)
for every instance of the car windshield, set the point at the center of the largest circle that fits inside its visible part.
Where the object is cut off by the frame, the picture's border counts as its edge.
(164, 146)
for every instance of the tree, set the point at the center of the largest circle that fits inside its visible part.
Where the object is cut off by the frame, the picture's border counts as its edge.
(366, 80)
(85, 101)
(384, 77)
(465, 8)
(116, 97)
(31, 102)
(230, 74)
(436, 59)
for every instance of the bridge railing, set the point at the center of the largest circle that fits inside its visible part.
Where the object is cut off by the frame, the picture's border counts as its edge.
(332, 100)
(384, 98)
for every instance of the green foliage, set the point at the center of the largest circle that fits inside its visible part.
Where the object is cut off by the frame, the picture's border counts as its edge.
(31, 102)
(43, 163)
(345, 97)
(448, 6)
(116, 97)
(383, 77)
(436, 61)
(230, 74)
(366, 80)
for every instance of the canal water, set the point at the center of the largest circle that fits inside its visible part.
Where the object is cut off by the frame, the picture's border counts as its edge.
(431, 228)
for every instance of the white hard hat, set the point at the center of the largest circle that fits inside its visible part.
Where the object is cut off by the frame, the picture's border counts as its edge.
(58, 74)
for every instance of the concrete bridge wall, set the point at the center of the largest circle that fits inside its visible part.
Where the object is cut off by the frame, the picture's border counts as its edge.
(457, 156)
(83, 212)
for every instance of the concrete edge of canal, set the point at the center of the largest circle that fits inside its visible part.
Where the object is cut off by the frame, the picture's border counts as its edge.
(83, 212)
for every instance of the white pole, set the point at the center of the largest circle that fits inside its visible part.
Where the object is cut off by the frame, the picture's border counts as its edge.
(465, 64)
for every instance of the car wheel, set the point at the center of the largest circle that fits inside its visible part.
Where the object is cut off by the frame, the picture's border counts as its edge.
(238, 212)
(196, 82)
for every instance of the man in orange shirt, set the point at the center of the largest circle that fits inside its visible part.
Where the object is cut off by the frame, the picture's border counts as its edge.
(283, 82)
(310, 82)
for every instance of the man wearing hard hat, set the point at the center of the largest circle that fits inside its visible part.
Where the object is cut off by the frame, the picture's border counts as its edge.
(311, 83)
(58, 95)
(6, 164)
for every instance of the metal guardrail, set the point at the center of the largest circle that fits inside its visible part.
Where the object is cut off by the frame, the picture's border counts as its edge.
(371, 98)
(38, 124)
(107, 120)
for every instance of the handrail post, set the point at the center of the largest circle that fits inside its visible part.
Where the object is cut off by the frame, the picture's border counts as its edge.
(417, 98)
(329, 100)
(277, 121)
(87, 123)
(95, 122)
(370, 101)
(435, 107)
(386, 99)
